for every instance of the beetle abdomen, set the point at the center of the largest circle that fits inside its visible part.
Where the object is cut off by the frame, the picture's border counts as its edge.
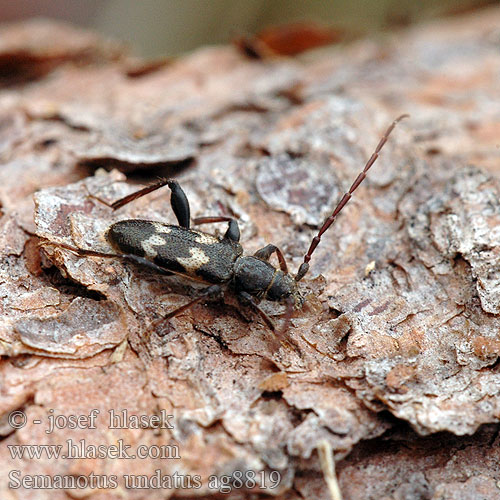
(191, 253)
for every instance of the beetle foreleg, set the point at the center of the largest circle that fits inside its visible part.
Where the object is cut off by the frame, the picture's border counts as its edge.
(278, 335)
(266, 252)
(247, 300)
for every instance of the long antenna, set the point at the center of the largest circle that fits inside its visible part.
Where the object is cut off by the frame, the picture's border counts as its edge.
(304, 267)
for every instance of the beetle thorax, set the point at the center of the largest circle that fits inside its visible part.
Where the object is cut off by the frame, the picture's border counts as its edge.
(261, 279)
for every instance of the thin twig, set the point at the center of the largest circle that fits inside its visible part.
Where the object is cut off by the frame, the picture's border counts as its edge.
(327, 462)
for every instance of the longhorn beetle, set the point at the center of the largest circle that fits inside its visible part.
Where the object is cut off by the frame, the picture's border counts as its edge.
(216, 261)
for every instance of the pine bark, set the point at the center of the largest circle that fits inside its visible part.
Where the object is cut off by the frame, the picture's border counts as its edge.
(393, 359)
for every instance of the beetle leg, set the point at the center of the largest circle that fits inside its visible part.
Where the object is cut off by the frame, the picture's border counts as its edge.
(288, 316)
(132, 196)
(278, 335)
(180, 204)
(178, 200)
(209, 292)
(233, 230)
(92, 253)
(247, 300)
(266, 252)
(146, 263)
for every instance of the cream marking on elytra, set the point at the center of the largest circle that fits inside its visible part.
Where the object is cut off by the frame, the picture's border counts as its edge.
(161, 228)
(154, 240)
(206, 239)
(197, 259)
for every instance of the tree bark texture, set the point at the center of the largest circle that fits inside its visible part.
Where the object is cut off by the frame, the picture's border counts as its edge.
(395, 357)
